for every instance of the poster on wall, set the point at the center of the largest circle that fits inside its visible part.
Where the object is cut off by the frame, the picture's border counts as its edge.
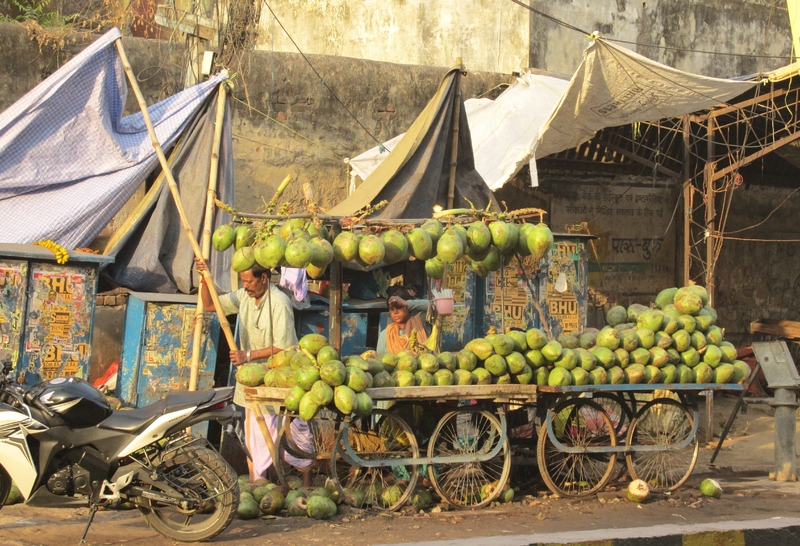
(13, 287)
(457, 328)
(634, 253)
(59, 321)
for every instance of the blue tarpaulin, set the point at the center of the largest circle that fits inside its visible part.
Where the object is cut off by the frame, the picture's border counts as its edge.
(69, 160)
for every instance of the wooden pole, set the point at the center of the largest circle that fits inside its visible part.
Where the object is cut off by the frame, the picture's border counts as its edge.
(451, 185)
(173, 188)
(208, 223)
(335, 301)
(687, 203)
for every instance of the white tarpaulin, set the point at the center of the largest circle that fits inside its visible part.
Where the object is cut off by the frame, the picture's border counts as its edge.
(615, 86)
(503, 130)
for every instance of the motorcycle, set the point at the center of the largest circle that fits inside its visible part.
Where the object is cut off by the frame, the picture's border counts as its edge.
(61, 444)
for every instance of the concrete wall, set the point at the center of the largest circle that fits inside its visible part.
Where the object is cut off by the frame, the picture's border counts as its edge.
(749, 28)
(297, 126)
(489, 35)
(500, 36)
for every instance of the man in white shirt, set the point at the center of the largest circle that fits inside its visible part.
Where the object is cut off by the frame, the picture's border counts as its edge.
(266, 327)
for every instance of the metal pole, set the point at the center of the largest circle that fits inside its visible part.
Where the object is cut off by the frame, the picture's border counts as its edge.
(708, 179)
(785, 404)
(176, 196)
(208, 223)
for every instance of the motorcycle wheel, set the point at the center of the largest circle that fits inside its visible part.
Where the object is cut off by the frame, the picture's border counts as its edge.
(5, 486)
(201, 474)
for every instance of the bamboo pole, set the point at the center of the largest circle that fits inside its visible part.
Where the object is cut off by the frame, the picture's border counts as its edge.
(451, 184)
(208, 223)
(173, 188)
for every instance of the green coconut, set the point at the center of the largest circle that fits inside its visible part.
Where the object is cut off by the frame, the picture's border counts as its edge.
(421, 245)
(535, 338)
(540, 241)
(243, 259)
(616, 315)
(223, 237)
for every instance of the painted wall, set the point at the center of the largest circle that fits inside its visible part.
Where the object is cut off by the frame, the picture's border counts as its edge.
(489, 35)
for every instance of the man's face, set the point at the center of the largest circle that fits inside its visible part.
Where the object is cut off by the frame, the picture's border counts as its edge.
(255, 287)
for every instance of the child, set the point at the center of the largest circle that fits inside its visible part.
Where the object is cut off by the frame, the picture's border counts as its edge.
(406, 318)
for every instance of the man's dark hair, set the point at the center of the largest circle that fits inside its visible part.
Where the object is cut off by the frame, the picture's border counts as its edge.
(257, 270)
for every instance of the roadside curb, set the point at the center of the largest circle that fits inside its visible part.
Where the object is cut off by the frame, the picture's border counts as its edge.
(769, 532)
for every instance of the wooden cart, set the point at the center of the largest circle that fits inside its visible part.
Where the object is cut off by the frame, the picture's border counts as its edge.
(458, 439)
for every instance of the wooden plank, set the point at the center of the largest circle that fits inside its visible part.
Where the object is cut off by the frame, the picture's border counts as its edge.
(781, 328)
(499, 393)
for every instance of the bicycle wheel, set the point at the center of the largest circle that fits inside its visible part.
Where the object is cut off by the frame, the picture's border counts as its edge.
(662, 422)
(469, 484)
(381, 436)
(577, 422)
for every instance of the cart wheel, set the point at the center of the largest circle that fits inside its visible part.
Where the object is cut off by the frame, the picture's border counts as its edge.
(381, 436)
(313, 440)
(469, 484)
(577, 422)
(662, 422)
(619, 411)
(323, 427)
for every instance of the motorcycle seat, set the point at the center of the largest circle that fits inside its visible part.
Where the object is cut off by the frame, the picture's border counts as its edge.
(138, 418)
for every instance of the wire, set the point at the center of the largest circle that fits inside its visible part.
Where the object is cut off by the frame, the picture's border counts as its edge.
(267, 116)
(724, 53)
(760, 240)
(321, 79)
(768, 215)
(551, 18)
(585, 33)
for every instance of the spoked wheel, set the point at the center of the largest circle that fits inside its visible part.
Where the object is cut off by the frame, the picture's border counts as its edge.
(381, 436)
(201, 475)
(476, 483)
(577, 422)
(667, 423)
(307, 441)
(619, 411)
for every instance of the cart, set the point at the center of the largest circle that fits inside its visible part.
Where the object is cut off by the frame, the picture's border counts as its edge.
(459, 441)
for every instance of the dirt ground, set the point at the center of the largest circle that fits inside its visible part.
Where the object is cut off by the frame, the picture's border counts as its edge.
(742, 468)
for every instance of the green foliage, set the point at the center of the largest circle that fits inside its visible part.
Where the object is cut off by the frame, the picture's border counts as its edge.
(36, 11)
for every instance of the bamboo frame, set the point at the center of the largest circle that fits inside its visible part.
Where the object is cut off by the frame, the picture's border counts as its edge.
(173, 188)
(208, 223)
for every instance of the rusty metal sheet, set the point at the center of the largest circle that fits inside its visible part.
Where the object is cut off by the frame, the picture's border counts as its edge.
(157, 346)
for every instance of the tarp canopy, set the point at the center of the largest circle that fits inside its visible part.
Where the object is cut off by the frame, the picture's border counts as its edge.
(615, 86)
(540, 115)
(414, 175)
(152, 251)
(69, 160)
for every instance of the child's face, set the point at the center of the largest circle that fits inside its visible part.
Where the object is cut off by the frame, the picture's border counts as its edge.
(399, 314)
